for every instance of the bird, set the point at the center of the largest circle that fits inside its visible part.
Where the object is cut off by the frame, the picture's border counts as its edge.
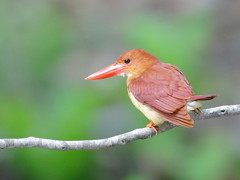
(159, 90)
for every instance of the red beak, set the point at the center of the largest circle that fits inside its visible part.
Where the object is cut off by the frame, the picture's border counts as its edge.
(107, 72)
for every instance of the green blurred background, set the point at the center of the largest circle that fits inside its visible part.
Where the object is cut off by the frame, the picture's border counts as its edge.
(48, 47)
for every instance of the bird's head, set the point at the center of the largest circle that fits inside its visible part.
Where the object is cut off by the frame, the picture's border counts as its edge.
(131, 64)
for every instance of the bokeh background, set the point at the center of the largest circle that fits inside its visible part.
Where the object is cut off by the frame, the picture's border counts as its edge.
(48, 47)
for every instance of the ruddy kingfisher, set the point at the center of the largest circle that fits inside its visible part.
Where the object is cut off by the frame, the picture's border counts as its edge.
(159, 90)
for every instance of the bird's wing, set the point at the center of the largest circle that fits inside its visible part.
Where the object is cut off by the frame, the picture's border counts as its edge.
(164, 88)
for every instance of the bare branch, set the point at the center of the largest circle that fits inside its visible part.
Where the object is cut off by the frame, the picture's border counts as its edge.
(122, 139)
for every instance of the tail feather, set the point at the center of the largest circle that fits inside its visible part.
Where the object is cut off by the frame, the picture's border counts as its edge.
(193, 104)
(201, 97)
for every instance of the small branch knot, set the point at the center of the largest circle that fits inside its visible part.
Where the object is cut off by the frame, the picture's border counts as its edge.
(223, 111)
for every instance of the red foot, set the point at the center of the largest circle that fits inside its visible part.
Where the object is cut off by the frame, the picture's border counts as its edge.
(151, 125)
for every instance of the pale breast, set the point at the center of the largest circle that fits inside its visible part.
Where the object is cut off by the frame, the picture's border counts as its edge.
(151, 114)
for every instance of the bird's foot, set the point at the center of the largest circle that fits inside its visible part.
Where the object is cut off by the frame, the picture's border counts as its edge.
(151, 125)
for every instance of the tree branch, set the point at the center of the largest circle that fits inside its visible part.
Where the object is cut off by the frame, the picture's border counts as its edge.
(122, 139)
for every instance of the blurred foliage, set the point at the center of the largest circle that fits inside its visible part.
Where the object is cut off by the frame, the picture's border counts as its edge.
(47, 50)
(179, 41)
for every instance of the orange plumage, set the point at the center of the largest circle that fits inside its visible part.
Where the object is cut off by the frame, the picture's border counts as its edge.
(159, 90)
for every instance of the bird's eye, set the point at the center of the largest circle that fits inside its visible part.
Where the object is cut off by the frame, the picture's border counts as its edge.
(127, 61)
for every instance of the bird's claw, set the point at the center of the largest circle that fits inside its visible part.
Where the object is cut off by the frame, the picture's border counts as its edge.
(151, 125)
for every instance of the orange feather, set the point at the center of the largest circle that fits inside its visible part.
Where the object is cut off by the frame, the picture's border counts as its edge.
(159, 90)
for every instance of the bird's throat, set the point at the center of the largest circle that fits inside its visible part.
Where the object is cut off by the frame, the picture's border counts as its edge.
(125, 74)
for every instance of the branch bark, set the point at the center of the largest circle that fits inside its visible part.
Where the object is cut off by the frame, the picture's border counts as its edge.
(122, 139)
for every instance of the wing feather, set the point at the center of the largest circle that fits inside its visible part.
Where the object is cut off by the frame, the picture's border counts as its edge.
(164, 88)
